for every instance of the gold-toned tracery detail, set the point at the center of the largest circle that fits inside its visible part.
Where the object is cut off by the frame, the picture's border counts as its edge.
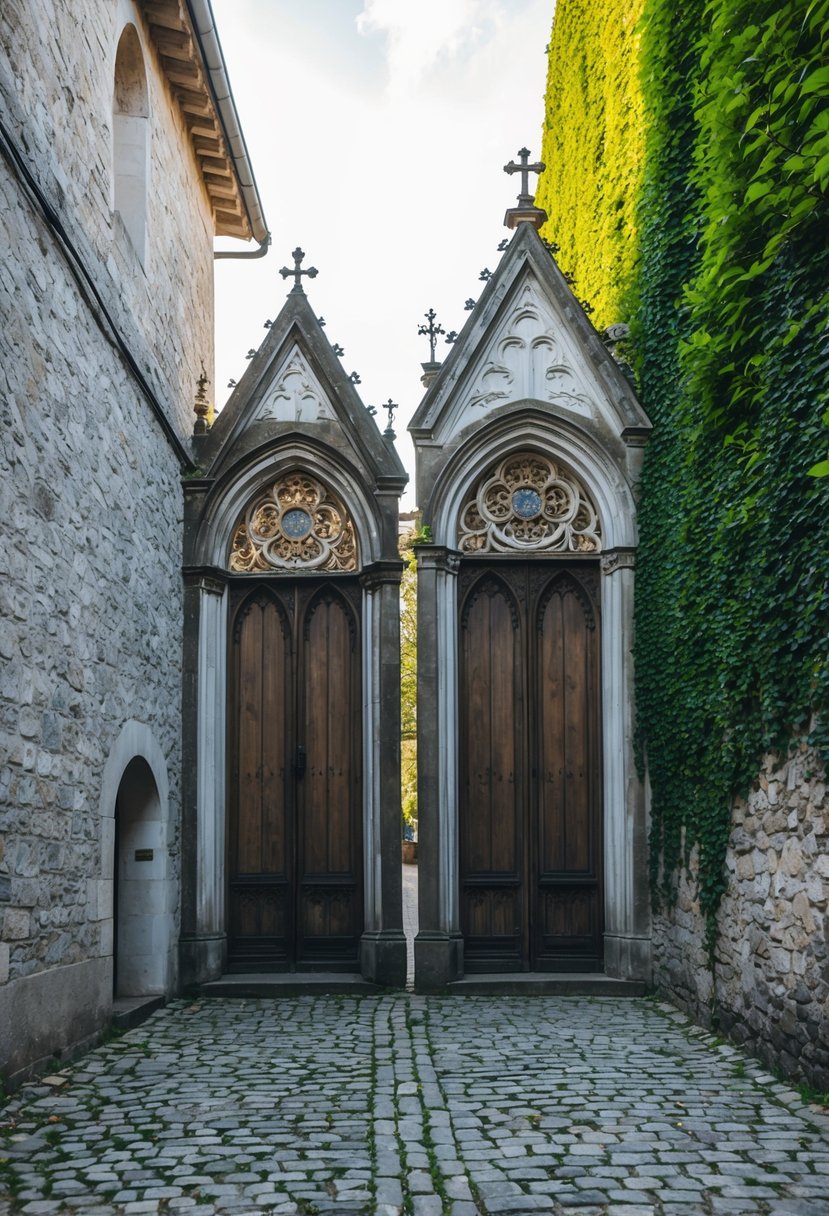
(530, 504)
(296, 523)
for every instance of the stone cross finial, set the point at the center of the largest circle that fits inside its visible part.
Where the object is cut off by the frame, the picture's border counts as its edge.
(525, 199)
(391, 409)
(311, 272)
(432, 331)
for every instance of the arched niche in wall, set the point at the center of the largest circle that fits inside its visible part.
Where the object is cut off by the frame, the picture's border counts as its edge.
(130, 140)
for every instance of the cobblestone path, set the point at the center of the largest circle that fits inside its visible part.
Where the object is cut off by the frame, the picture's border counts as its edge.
(403, 1104)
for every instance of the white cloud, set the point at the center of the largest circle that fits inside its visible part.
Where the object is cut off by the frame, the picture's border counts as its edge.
(397, 197)
(422, 36)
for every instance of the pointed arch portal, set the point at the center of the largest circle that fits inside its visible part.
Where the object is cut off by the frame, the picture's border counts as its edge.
(295, 787)
(529, 789)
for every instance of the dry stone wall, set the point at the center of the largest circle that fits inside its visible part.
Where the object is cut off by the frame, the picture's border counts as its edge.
(771, 983)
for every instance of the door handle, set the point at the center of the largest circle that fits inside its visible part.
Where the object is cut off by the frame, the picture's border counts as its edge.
(299, 762)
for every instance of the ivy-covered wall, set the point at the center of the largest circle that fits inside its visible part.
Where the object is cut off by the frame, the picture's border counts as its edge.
(705, 225)
(593, 149)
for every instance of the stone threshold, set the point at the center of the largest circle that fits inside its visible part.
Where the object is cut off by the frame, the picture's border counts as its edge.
(545, 983)
(329, 983)
(288, 983)
(131, 1011)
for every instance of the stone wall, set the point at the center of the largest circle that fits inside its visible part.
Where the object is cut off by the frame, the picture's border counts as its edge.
(772, 959)
(57, 62)
(90, 512)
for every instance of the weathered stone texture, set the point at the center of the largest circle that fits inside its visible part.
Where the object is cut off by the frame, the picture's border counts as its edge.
(772, 968)
(90, 598)
(56, 94)
(90, 491)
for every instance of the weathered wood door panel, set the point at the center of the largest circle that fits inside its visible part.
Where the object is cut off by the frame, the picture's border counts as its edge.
(565, 809)
(492, 744)
(329, 893)
(294, 812)
(530, 794)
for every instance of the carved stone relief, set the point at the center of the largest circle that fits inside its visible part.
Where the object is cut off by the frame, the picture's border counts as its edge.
(296, 523)
(295, 395)
(529, 360)
(528, 503)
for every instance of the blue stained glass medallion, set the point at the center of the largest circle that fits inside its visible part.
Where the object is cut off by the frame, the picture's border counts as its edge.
(526, 502)
(296, 523)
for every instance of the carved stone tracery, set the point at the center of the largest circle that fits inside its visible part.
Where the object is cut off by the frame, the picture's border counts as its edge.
(296, 523)
(528, 503)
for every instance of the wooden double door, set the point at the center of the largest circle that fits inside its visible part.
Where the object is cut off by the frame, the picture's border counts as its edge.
(295, 896)
(530, 809)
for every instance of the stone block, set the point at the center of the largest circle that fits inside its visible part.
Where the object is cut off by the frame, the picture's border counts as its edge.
(16, 924)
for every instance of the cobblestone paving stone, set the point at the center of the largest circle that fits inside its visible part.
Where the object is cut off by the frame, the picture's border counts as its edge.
(399, 1104)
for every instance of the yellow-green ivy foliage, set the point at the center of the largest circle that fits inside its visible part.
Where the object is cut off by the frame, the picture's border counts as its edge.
(593, 150)
(730, 278)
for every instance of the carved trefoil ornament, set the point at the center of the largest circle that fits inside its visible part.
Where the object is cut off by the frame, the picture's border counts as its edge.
(297, 523)
(529, 504)
(530, 359)
(295, 394)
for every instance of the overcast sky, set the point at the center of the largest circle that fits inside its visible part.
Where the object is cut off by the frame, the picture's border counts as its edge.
(378, 131)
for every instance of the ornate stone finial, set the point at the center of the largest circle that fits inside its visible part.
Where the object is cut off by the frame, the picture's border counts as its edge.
(525, 199)
(526, 212)
(432, 331)
(201, 406)
(312, 272)
(391, 408)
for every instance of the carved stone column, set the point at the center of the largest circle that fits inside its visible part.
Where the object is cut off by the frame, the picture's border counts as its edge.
(438, 945)
(627, 906)
(202, 943)
(383, 944)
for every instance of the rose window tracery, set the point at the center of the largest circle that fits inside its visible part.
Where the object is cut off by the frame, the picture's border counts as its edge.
(296, 523)
(529, 503)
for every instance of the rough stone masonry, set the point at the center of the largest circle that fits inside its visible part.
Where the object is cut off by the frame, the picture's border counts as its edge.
(771, 979)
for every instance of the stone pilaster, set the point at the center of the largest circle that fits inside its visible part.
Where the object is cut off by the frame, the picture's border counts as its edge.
(383, 944)
(438, 945)
(627, 937)
(202, 944)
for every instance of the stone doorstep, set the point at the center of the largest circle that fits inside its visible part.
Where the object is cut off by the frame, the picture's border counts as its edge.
(545, 983)
(131, 1011)
(325, 983)
(288, 983)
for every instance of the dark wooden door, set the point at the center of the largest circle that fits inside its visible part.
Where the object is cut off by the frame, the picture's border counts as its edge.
(530, 767)
(294, 781)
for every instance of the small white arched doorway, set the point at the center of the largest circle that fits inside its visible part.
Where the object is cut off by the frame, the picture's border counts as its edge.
(143, 917)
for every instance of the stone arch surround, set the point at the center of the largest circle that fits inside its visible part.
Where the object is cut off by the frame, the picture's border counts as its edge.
(526, 429)
(136, 743)
(241, 483)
